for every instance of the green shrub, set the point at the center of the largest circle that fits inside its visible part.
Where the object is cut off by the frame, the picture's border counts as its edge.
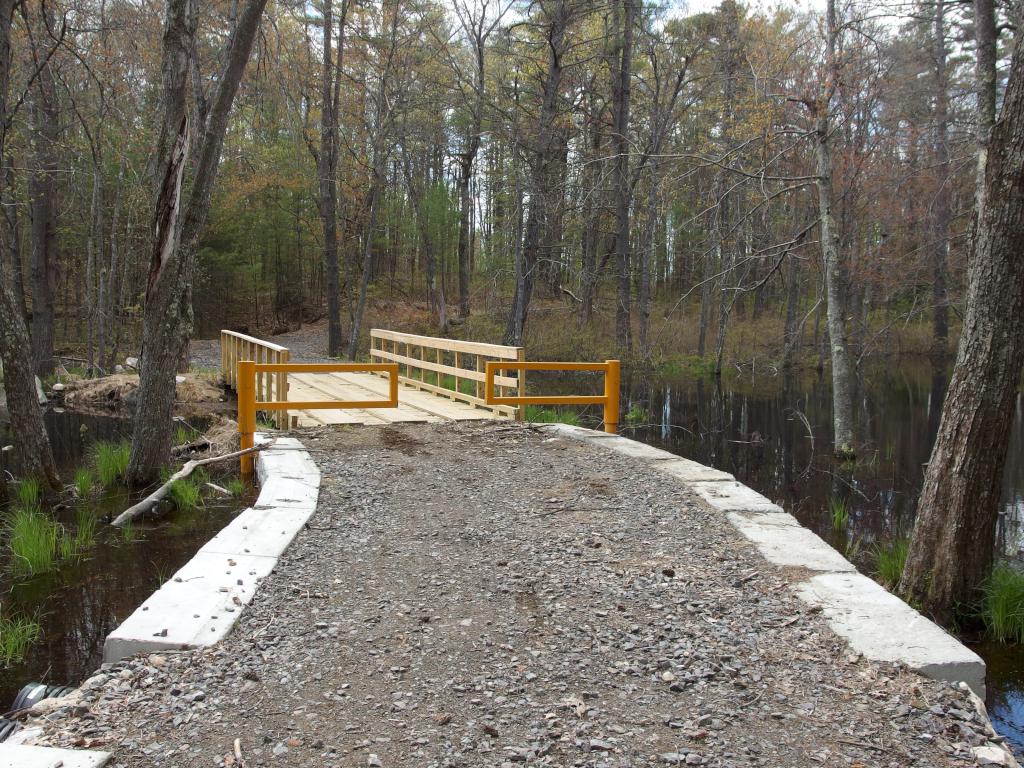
(83, 483)
(110, 462)
(539, 414)
(839, 512)
(16, 635)
(637, 415)
(889, 561)
(34, 540)
(28, 493)
(1002, 609)
(186, 494)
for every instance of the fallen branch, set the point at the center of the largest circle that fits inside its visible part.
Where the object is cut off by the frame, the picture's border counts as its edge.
(194, 447)
(161, 493)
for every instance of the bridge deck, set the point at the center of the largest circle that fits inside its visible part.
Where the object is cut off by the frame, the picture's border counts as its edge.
(415, 406)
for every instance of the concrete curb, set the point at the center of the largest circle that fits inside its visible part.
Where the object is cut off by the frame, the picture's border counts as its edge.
(874, 622)
(201, 603)
(21, 756)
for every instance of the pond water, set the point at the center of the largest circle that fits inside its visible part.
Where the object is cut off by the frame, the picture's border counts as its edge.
(80, 603)
(773, 432)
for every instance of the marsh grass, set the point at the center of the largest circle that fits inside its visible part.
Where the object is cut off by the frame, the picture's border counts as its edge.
(86, 523)
(637, 415)
(181, 435)
(839, 512)
(187, 494)
(1002, 606)
(110, 462)
(16, 635)
(235, 486)
(83, 483)
(28, 493)
(129, 532)
(544, 415)
(889, 561)
(34, 542)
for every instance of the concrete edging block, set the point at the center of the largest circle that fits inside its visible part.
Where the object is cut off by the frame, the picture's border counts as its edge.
(201, 603)
(872, 620)
(24, 756)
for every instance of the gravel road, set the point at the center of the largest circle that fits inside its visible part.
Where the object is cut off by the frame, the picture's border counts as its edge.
(488, 595)
(307, 345)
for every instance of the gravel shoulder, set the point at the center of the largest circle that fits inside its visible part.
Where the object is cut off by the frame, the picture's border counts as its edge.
(488, 595)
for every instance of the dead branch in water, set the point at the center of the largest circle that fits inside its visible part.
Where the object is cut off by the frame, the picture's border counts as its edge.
(139, 509)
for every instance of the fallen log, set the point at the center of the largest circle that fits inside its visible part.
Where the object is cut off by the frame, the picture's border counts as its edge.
(161, 493)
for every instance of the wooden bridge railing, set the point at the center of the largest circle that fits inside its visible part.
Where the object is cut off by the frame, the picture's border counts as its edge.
(449, 367)
(235, 347)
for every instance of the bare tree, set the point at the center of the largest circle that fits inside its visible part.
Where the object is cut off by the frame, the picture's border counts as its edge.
(952, 548)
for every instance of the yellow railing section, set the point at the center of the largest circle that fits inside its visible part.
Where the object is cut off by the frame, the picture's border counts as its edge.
(428, 362)
(236, 346)
(248, 405)
(610, 398)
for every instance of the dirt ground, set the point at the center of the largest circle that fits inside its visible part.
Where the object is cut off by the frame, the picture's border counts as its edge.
(490, 595)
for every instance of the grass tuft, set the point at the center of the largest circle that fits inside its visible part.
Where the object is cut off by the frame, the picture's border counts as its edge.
(235, 486)
(28, 493)
(637, 415)
(839, 512)
(34, 542)
(83, 483)
(16, 635)
(538, 414)
(1002, 609)
(889, 561)
(110, 461)
(187, 494)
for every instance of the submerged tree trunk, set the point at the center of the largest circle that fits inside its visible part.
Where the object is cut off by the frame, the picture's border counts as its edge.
(952, 548)
(177, 224)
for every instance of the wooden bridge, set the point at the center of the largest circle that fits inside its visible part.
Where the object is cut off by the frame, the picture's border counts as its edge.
(440, 380)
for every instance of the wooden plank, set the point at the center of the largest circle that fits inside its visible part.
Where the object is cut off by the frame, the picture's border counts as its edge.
(452, 410)
(254, 340)
(499, 351)
(299, 390)
(451, 370)
(340, 386)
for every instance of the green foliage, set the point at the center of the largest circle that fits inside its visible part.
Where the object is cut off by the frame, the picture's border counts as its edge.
(637, 415)
(28, 493)
(181, 435)
(235, 486)
(86, 524)
(16, 635)
(687, 364)
(34, 540)
(889, 561)
(542, 415)
(83, 482)
(110, 462)
(839, 512)
(1002, 608)
(187, 494)
(129, 532)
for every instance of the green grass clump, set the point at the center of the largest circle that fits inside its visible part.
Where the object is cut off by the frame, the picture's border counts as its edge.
(839, 512)
(535, 413)
(181, 435)
(1002, 608)
(28, 493)
(187, 494)
(86, 524)
(235, 486)
(889, 561)
(16, 635)
(83, 483)
(637, 415)
(34, 542)
(110, 462)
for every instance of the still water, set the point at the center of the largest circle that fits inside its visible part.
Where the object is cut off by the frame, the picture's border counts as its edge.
(773, 432)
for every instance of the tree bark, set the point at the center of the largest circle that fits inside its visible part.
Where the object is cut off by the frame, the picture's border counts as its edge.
(941, 212)
(842, 369)
(167, 324)
(623, 189)
(985, 42)
(952, 548)
(33, 444)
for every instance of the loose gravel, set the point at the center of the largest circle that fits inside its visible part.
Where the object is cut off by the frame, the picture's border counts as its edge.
(488, 595)
(306, 345)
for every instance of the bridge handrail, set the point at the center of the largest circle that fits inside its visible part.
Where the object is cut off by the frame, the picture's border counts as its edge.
(462, 360)
(248, 404)
(235, 347)
(610, 398)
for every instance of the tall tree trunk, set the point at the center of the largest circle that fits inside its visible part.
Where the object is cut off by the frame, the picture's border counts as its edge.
(33, 445)
(952, 548)
(985, 42)
(376, 186)
(177, 225)
(842, 368)
(643, 298)
(623, 189)
(941, 212)
(43, 194)
(12, 238)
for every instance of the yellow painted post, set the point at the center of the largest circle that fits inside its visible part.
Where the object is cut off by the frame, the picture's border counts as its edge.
(521, 383)
(246, 412)
(282, 387)
(612, 376)
(393, 385)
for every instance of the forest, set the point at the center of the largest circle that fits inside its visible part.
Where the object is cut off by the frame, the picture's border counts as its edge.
(584, 176)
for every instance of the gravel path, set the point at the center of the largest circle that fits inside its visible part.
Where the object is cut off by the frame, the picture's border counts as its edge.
(486, 595)
(307, 345)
